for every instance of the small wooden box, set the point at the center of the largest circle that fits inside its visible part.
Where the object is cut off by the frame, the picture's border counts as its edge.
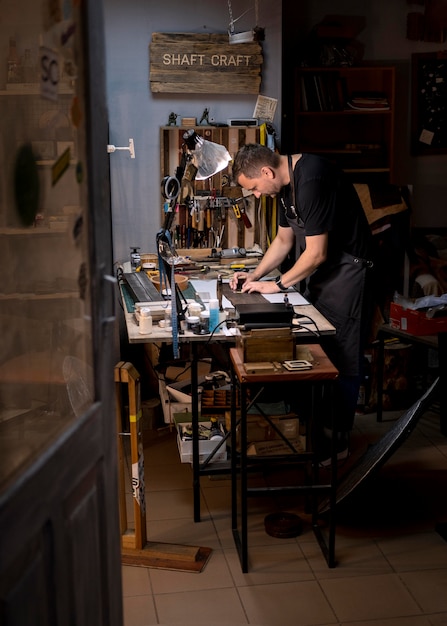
(189, 122)
(266, 344)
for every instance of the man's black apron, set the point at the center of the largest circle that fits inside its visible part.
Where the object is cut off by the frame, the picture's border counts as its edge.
(338, 290)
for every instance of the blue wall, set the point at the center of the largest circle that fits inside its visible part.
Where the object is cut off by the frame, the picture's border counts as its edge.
(136, 112)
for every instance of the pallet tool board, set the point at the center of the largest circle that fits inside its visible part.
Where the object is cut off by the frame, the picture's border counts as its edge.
(213, 221)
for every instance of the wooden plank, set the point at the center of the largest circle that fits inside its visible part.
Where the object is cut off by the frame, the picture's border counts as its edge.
(135, 549)
(131, 376)
(196, 41)
(192, 63)
(233, 141)
(121, 453)
(168, 556)
(251, 134)
(201, 76)
(243, 86)
(176, 551)
(175, 37)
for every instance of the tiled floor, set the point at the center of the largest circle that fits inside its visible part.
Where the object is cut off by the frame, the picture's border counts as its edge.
(392, 564)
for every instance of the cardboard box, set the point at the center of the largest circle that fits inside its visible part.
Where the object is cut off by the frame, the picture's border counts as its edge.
(258, 429)
(271, 448)
(205, 446)
(415, 322)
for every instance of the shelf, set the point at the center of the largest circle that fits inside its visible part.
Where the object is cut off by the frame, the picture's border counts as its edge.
(346, 112)
(323, 123)
(368, 170)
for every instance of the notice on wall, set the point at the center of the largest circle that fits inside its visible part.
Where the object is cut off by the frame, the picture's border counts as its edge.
(265, 108)
(203, 63)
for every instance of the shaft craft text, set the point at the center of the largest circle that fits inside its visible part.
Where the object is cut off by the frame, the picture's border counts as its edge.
(217, 60)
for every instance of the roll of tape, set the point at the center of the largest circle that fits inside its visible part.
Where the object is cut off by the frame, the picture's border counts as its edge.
(170, 187)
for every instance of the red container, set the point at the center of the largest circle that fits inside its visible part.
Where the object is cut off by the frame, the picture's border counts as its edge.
(415, 322)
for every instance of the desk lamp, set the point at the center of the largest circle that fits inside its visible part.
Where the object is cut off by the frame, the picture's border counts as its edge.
(166, 268)
(208, 158)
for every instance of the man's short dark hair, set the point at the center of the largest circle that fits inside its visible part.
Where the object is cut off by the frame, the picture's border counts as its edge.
(251, 158)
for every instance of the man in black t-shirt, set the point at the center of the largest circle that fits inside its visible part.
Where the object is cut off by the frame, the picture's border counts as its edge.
(322, 219)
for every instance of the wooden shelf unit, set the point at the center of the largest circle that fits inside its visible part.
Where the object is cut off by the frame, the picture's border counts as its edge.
(360, 141)
(235, 234)
(171, 142)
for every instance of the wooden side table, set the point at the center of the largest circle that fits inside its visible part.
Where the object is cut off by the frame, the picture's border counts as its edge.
(322, 374)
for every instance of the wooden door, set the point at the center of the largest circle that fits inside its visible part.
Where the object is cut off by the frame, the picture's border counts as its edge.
(60, 560)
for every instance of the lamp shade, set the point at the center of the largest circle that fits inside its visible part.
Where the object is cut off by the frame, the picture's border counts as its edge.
(208, 157)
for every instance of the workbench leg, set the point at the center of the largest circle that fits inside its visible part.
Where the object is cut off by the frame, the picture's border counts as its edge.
(234, 455)
(195, 432)
(333, 482)
(244, 481)
(327, 545)
(240, 537)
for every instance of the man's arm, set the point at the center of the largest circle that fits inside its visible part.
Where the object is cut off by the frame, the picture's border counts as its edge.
(309, 260)
(312, 257)
(274, 256)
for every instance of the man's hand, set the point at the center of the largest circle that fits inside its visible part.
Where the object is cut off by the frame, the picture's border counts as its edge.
(260, 286)
(238, 276)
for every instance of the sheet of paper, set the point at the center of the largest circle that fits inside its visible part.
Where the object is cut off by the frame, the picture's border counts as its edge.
(295, 298)
(206, 289)
(265, 108)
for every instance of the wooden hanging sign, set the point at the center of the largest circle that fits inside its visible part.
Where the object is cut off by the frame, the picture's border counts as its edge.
(203, 63)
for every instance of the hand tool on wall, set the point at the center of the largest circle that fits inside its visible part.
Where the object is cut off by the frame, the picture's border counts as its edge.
(170, 189)
(244, 215)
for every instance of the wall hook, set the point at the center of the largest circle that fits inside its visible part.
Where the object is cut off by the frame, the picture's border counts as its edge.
(130, 147)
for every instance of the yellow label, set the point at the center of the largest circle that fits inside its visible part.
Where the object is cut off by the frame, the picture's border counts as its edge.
(135, 418)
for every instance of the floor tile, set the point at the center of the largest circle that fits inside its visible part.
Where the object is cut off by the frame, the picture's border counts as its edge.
(184, 531)
(174, 504)
(419, 620)
(415, 552)
(201, 607)
(135, 581)
(215, 575)
(354, 557)
(440, 619)
(139, 611)
(167, 477)
(269, 565)
(428, 588)
(369, 597)
(287, 604)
